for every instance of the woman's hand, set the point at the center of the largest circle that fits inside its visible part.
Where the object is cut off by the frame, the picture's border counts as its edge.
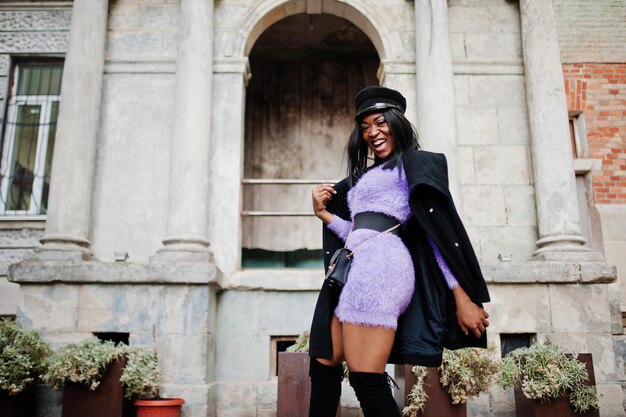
(470, 316)
(321, 195)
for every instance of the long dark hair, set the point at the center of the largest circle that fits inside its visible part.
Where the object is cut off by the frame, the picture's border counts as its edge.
(405, 139)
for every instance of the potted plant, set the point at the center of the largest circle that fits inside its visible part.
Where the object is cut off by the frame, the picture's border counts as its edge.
(99, 378)
(443, 391)
(89, 374)
(141, 381)
(22, 360)
(550, 378)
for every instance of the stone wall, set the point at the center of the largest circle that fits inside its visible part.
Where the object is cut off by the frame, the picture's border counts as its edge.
(591, 30)
(498, 202)
(42, 31)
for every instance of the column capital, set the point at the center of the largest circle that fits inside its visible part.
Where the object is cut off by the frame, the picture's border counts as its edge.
(233, 65)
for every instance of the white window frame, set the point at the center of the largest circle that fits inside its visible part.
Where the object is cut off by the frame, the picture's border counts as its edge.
(46, 103)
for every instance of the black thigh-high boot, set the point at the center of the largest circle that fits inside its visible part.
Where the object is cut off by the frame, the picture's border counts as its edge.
(374, 394)
(325, 389)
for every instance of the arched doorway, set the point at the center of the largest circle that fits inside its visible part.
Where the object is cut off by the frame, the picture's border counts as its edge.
(305, 70)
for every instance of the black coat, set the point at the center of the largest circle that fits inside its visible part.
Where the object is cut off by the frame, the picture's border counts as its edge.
(429, 323)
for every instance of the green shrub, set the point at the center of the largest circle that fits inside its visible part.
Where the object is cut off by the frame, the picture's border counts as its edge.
(22, 356)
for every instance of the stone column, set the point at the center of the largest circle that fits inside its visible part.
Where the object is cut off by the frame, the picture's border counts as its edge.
(553, 165)
(69, 204)
(436, 115)
(189, 160)
(229, 83)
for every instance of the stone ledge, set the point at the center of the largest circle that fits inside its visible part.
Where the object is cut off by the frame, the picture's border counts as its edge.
(46, 271)
(275, 280)
(90, 272)
(546, 272)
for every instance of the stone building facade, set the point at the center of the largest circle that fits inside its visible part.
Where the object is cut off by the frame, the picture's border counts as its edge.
(178, 118)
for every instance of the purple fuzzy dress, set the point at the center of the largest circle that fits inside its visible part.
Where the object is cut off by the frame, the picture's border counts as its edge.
(381, 279)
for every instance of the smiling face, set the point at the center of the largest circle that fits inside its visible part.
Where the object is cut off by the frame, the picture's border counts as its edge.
(377, 135)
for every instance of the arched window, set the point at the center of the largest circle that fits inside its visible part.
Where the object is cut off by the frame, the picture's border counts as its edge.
(305, 69)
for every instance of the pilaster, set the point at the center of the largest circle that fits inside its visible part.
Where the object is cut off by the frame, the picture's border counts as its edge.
(558, 222)
(189, 161)
(69, 204)
(436, 117)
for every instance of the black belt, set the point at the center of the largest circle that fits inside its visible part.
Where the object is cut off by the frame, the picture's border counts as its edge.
(375, 221)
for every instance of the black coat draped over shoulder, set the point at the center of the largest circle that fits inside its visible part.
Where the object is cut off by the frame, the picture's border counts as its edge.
(429, 323)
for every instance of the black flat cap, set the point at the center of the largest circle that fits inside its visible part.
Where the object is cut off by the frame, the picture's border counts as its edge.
(374, 98)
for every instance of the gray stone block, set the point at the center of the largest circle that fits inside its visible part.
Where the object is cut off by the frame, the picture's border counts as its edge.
(236, 397)
(483, 205)
(613, 221)
(611, 400)
(28, 42)
(274, 321)
(520, 205)
(496, 90)
(469, 19)
(243, 358)
(133, 46)
(513, 126)
(233, 318)
(502, 165)
(505, 17)
(123, 17)
(20, 238)
(9, 296)
(580, 309)
(267, 395)
(487, 47)
(183, 310)
(35, 20)
(52, 308)
(9, 257)
(466, 165)
(519, 309)
(477, 125)
(517, 240)
(5, 64)
(159, 18)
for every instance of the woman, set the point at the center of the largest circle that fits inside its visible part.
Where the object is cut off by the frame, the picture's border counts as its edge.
(411, 290)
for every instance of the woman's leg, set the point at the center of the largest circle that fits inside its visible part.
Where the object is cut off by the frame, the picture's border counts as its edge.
(326, 376)
(367, 350)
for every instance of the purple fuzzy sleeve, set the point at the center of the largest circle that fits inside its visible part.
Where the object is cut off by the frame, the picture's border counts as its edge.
(445, 270)
(340, 227)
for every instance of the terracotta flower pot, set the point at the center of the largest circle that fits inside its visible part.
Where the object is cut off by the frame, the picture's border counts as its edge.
(439, 402)
(165, 407)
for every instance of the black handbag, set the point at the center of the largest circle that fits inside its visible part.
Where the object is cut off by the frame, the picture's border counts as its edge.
(339, 266)
(337, 273)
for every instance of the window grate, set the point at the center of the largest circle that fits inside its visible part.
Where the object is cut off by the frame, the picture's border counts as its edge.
(29, 136)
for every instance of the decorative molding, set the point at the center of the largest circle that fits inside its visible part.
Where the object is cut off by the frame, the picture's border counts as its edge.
(140, 67)
(35, 5)
(488, 68)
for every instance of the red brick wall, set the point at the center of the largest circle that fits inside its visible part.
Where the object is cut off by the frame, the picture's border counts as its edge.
(599, 91)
